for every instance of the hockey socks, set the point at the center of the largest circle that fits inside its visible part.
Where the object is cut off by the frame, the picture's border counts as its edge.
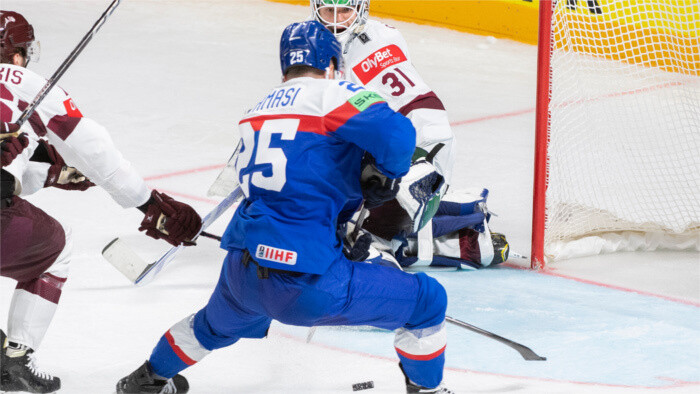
(421, 343)
(177, 349)
(422, 354)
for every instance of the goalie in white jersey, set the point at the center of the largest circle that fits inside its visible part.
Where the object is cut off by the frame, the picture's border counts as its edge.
(35, 248)
(376, 56)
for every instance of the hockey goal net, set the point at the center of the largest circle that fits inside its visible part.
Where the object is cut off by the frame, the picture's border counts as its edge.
(617, 161)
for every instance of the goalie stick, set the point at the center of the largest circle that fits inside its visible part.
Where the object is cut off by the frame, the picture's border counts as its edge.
(126, 261)
(66, 63)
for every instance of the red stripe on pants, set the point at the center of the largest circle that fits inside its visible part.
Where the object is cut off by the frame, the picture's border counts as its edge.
(46, 286)
(177, 349)
(419, 357)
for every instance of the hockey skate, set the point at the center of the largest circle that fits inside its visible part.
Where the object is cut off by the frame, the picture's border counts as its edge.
(500, 248)
(145, 381)
(18, 371)
(412, 388)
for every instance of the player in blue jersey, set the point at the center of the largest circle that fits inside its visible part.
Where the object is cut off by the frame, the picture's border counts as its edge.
(300, 170)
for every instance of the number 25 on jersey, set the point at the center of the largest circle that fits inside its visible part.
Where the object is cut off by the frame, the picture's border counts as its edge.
(260, 164)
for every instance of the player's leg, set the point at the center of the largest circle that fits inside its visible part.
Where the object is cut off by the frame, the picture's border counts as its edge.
(421, 337)
(35, 251)
(222, 322)
(420, 343)
(353, 293)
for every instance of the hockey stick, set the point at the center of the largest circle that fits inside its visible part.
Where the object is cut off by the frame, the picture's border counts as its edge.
(210, 235)
(136, 269)
(66, 63)
(524, 351)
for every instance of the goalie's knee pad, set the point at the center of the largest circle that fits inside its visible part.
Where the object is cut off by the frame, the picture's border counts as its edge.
(431, 304)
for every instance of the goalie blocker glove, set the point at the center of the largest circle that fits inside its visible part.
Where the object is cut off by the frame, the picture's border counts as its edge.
(170, 220)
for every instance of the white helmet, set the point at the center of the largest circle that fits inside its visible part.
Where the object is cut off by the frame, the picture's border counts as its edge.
(341, 31)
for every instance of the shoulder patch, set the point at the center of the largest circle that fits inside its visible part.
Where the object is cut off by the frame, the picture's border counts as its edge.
(364, 99)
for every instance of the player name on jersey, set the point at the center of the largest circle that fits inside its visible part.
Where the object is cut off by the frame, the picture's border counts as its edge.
(280, 97)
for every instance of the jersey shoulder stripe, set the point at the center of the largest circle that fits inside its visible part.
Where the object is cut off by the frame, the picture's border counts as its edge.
(328, 123)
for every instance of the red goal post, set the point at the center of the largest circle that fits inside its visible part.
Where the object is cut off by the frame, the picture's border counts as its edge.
(617, 157)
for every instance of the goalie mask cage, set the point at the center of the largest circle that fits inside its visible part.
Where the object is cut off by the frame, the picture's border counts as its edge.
(617, 157)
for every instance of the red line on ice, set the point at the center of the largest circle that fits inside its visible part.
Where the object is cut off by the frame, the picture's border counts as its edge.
(188, 196)
(551, 272)
(676, 383)
(184, 172)
(567, 103)
(491, 117)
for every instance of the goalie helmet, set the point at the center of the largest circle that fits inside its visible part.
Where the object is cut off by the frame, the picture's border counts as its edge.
(337, 27)
(16, 36)
(309, 44)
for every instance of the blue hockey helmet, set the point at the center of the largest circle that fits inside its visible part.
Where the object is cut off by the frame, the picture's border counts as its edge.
(309, 43)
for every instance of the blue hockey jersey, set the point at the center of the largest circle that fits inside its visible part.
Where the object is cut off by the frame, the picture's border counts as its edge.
(299, 168)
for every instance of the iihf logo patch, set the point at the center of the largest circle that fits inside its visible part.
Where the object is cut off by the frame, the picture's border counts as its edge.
(277, 255)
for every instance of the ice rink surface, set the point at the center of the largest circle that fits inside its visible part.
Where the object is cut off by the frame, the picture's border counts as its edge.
(170, 80)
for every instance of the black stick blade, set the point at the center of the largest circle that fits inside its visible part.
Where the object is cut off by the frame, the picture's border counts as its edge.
(524, 351)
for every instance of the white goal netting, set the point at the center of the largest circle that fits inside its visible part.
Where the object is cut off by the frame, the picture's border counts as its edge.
(624, 130)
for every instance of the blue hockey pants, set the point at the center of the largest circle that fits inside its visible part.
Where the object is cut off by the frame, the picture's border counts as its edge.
(349, 293)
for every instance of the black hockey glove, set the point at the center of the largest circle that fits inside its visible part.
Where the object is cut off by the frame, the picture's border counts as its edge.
(359, 251)
(377, 188)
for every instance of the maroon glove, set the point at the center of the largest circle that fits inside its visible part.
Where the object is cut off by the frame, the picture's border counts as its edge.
(61, 175)
(12, 145)
(173, 221)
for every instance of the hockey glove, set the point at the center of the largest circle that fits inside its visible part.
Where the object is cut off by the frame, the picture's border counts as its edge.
(12, 144)
(60, 175)
(359, 251)
(376, 187)
(170, 220)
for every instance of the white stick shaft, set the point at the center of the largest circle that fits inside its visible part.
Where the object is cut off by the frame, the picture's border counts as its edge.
(153, 269)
